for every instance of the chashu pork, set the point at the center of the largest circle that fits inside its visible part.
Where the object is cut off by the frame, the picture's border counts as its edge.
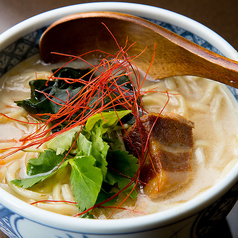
(167, 162)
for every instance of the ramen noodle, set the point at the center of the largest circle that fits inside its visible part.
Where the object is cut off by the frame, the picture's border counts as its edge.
(208, 104)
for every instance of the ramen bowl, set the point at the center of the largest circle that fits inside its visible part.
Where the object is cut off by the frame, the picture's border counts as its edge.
(194, 218)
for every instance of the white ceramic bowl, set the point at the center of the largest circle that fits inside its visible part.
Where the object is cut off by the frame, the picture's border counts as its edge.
(191, 219)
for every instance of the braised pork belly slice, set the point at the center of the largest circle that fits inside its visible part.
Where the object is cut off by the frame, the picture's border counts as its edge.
(168, 164)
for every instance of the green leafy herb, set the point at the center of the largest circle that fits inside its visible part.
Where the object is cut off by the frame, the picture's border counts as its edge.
(64, 141)
(93, 166)
(47, 161)
(41, 168)
(94, 155)
(109, 119)
(122, 167)
(95, 146)
(86, 179)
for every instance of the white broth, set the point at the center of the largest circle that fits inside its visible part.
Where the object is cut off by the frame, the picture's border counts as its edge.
(208, 104)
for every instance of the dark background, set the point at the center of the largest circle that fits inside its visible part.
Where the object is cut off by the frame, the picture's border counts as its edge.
(219, 15)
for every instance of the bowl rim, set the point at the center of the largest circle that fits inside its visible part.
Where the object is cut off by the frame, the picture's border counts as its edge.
(128, 225)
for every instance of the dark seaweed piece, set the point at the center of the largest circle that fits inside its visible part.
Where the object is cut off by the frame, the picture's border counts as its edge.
(58, 91)
(47, 97)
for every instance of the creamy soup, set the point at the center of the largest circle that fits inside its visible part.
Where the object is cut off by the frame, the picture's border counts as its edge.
(208, 105)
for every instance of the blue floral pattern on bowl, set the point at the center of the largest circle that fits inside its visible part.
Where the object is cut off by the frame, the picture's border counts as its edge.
(12, 224)
(20, 50)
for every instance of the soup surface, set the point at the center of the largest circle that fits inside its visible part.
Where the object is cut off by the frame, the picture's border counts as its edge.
(208, 105)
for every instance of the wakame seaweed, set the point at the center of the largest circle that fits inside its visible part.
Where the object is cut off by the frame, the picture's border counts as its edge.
(47, 97)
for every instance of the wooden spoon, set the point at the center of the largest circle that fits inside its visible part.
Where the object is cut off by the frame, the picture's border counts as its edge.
(174, 55)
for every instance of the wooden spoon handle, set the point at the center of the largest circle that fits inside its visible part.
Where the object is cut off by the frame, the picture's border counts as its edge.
(192, 59)
(174, 55)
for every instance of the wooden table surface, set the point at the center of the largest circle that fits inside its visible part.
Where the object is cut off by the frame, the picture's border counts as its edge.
(219, 15)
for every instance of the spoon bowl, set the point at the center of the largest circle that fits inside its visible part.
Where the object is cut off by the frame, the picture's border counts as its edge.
(108, 31)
